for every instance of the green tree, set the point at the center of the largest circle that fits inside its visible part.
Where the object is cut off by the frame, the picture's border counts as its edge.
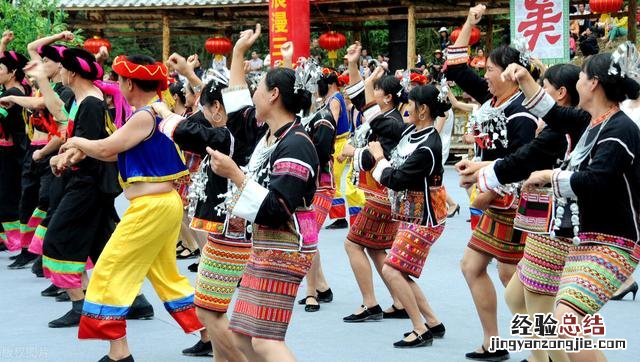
(32, 19)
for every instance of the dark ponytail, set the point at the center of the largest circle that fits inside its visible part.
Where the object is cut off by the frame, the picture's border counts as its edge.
(177, 89)
(211, 93)
(293, 100)
(428, 95)
(616, 88)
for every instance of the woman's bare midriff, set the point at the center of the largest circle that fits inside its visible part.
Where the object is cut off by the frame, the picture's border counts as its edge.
(138, 189)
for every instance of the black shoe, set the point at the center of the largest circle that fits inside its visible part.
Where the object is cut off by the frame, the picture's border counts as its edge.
(422, 340)
(339, 224)
(193, 268)
(52, 291)
(14, 257)
(368, 314)
(140, 309)
(64, 297)
(633, 288)
(108, 359)
(311, 307)
(24, 258)
(199, 349)
(498, 355)
(454, 212)
(71, 319)
(437, 331)
(326, 296)
(396, 314)
(36, 268)
(3, 247)
(188, 254)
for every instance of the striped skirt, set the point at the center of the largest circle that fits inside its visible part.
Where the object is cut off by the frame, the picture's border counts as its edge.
(541, 266)
(495, 235)
(221, 267)
(267, 293)
(374, 227)
(322, 203)
(592, 274)
(411, 247)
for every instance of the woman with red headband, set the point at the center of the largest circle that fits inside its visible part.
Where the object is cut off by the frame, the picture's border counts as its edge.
(85, 215)
(143, 244)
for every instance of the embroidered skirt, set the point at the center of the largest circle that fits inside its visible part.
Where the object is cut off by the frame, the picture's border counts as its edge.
(411, 247)
(221, 267)
(374, 227)
(592, 274)
(495, 235)
(267, 292)
(322, 203)
(541, 266)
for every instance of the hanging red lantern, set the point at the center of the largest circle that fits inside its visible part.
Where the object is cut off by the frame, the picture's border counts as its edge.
(218, 45)
(332, 41)
(605, 6)
(94, 44)
(473, 39)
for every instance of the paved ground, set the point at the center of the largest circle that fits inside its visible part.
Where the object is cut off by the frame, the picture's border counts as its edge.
(320, 336)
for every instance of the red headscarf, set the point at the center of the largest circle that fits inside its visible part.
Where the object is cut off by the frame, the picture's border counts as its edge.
(128, 69)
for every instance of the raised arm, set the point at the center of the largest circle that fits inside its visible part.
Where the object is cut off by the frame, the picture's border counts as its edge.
(33, 47)
(186, 68)
(246, 40)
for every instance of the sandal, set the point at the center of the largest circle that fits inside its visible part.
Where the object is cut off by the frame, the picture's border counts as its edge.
(188, 254)
(311, 307)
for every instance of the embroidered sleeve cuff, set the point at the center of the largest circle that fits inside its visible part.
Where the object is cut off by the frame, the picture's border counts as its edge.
(540, 104)
(236, 99)
(371, 113)
(487, 179)
(250, 200)
(457, 55)
(561, 183)
(169, 124)
(354, 90)
(380, 166)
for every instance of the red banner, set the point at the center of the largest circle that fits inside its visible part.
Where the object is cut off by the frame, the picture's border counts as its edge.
(289, 21)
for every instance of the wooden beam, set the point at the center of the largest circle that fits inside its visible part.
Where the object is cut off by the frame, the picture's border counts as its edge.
(166, 37)
(489, 36)
(411, 36)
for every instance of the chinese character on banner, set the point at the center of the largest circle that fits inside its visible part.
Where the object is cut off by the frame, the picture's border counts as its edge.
(569, 326)
(593, 325)
(521, 325)
(545, 325)
(545, 26)
(289, 21)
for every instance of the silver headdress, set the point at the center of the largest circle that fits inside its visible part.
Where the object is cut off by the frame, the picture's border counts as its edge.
(307, 75)
(218, 78)
(254, 79)
(628, 60)
(522, 45)
(406, 79)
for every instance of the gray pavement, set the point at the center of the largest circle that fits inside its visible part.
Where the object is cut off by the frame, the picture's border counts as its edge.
(320, 336)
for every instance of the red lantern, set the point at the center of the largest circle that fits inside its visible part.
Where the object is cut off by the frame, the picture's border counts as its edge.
(218, 45)
(473, 39)
(605, 6)
(94, 44)
(332, 41)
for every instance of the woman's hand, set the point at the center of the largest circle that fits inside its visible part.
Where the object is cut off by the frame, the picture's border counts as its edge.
(36, 70)
(7, 37)
(538, 179)
(353, 53)
(515, 73)
(246, 40)
(6, 102)
(178, 63)
(375, 148)
(66, 36)
(475, 14)
(70, 143)
(222, 165)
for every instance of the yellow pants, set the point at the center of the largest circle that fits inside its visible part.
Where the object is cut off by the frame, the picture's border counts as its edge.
(355, 196)
(143, 245)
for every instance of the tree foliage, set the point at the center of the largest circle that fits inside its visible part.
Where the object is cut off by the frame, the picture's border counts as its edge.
(32, 19)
